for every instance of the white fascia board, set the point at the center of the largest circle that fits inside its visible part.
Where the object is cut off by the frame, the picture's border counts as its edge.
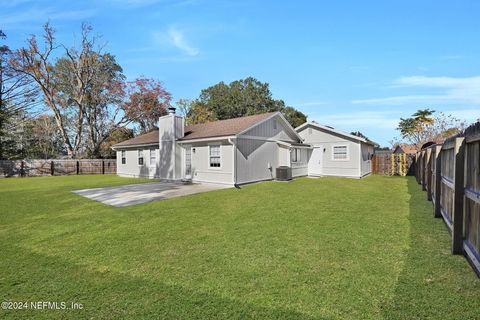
(206, 139)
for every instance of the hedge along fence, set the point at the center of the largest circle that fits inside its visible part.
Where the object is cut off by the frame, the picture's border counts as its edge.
(450, 174)
(393, 164)
(32, 168)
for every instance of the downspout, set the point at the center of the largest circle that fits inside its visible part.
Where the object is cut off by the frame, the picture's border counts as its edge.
(230, 140)
(174, 142)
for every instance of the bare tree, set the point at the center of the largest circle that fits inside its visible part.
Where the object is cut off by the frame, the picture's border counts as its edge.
(17, 94)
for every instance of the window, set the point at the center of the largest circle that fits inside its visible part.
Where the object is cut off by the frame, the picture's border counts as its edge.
(140, 157)
(124, 158)
(295, 155)
(215, 156)
(340, 153)
(153, 157)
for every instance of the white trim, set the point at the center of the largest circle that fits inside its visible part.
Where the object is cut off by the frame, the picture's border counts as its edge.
(322, 127)
(138, 158)
(123, 155)
(340, 145)
(150, 164)
(234, 160)
(221, 155)
(219, 138)
(184, 158)
(134, 146)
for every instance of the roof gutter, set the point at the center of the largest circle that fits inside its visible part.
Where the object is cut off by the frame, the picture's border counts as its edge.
(206, 139)
(132, 146)
(234, 151)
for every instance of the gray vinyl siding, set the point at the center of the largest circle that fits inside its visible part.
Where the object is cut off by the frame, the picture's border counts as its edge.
(327, 139)
(255, 160)
(201, 170)
(366, 162)
(300, 168)
(170, 127)
(257, 152)
(131, 167)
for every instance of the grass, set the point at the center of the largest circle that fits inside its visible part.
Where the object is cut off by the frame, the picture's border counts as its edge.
(327, 248)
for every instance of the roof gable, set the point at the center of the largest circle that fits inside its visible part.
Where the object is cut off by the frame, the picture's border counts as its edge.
(222, 128)
(333, 131)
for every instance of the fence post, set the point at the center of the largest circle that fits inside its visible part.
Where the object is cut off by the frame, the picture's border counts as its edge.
(457, 229)
(438, 181)
(103, 166)
(78, 167)
(22, 168)
(415, 163)
(428, 172)
(52, 168)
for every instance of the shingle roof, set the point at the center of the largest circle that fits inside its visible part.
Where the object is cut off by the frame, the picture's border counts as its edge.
(212, 129)
(408, 148)
(143, 139)
(221, 128)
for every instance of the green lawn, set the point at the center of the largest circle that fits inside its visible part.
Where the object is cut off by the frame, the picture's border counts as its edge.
(327, 248)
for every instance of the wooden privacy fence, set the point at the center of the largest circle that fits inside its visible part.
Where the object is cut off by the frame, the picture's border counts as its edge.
(393, 164)
(450, 175)
(32, 168)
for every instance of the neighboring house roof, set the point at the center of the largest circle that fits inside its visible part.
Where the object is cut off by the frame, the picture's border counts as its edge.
(149, 138)
(327, 128)
(221, 128)
(406, 148)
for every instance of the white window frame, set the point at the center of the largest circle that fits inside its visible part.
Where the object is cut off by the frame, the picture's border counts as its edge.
(123, 157)
(154, 151)
(298, 155)
(219, 145)
(347, 152)
(142, 157)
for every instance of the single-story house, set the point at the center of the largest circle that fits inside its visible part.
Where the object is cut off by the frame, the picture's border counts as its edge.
(233, 151)
(336, 153)
(241, 150)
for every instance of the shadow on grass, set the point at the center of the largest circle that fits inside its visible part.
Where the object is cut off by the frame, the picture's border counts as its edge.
(433, 284)
(110, 295)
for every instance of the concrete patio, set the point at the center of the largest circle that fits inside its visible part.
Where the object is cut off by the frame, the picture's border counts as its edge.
(131, 194)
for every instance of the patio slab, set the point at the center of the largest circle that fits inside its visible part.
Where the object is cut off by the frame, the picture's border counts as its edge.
(131, 194)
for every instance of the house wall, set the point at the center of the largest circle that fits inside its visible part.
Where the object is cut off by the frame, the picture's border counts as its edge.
(201, 170)
(257, 153)
(170, 128)
(366, 158)
(131, 167)
(331, 167)
(300, 168)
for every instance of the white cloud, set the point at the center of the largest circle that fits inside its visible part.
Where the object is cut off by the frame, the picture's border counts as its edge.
(454, 90)
(176, 38)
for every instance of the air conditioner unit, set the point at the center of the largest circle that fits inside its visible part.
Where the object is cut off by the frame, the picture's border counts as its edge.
(284, 173)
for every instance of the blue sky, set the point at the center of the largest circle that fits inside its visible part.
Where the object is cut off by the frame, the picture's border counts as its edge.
(354, 65)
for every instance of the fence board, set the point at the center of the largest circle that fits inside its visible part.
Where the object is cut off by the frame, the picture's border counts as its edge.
(393, 164)
(451, 178)
(57, 167)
